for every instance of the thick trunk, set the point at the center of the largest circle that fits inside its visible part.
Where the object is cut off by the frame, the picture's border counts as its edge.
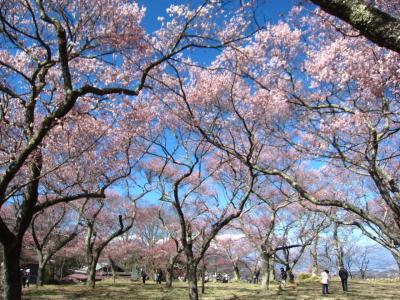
(376, 25)
(11, 273)
(13, 243)
(314, 267)
(273, 271)
(42, 263)
(337, 248)
(91, 272)
(289, 273)
(113, 274)
(113, 266)
(1, 269)
(169, 276)
(203, 276)
(62, 268)
(90, 258)
(191, 274)
(236, 272)
(40, 274)
(266, 275)
(170, 270)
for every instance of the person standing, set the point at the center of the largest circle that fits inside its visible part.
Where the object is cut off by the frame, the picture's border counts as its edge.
(159, 275)
(344, 275)
(256, 276)
(283, 277)
(291, 277)
(28, 276)
(143, 275)
(325, 282)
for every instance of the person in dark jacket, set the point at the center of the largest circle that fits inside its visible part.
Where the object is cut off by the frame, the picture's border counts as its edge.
(159, 275)
(256, 276)
(283, 277)
(344, 275)
(143, 274)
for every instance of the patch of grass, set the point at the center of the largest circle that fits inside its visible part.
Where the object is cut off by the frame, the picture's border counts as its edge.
(125, 289)
(307, 277)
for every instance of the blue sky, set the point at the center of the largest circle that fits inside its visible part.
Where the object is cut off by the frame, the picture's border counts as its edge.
(270, 10)
(267, 11)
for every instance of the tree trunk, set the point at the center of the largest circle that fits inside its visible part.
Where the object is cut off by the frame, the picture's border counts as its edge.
(169, 276)
(191, 274)
(90, 258)
(203, 276)
(266, 276)
(40, 274)
(42, 263)
(337, 247)
(376, 25)
(1, 269)
(91, 272)
(314, 258)
(236, 272)
(273, 271)
(62, 268)
(113, 267)
(12, 275)
(289, 273)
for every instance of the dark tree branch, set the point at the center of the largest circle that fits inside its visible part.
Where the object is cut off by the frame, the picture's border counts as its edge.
(376, 25)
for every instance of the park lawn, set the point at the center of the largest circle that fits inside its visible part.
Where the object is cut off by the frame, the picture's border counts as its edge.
(124, 289)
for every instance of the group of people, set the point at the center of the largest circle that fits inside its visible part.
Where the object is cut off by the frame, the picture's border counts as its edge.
(224, 278)
(283, 276)
(25, 276)
(158, 275)
(325, 278)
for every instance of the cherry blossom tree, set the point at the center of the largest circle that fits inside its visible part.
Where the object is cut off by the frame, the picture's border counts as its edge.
(64, 63)
(103, 222)
(187, 168)
(176, 249)
(330, 135)
(122, 251)
(51, 230)
(152, 238)
(259, 228)
(235, 248)
(42, 77)
(297, 229)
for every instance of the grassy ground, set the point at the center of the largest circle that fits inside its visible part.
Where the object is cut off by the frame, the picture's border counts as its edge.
(124, 289)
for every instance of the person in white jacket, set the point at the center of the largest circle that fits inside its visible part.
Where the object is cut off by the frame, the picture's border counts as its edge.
(325, 282)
